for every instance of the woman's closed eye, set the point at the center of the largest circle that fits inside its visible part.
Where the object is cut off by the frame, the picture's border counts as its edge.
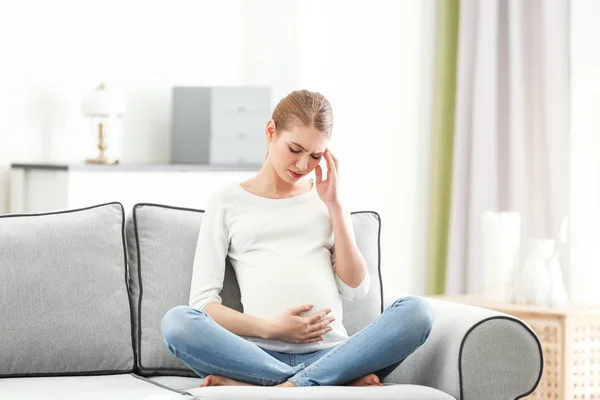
(298, 151)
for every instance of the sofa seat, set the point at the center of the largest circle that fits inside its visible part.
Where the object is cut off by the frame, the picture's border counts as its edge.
(132, 387)
(98, 387)
(389, 391)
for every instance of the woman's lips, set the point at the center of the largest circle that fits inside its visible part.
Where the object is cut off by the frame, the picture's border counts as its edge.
(295, 175)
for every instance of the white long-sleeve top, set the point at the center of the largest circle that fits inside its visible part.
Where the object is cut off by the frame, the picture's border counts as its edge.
(283, 254)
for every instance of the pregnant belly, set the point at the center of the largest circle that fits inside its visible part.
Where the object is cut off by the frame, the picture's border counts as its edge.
(268, 292)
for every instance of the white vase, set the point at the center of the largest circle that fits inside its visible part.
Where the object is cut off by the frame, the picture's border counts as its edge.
(541, 280)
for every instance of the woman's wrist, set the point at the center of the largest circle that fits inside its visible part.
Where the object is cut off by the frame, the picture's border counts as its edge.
(334, 205)
(268, 328)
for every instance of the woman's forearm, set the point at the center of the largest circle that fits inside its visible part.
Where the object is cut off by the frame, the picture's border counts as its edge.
(350, 265)
(239, 323)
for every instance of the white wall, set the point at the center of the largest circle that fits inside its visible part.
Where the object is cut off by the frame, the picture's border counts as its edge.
(372, 59)
(585, 151)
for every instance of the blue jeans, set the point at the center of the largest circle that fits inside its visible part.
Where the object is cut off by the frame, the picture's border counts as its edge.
(208, 348)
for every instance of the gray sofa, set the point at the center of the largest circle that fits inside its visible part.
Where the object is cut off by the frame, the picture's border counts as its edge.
(83, 293)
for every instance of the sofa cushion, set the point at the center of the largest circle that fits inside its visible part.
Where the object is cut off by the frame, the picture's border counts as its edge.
(63, 291)
(162, 243)
(104, 387)
(131, 387)
(388, 391)
(367, 230)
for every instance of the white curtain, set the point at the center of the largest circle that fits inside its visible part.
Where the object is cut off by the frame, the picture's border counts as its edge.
(511, 144)
(585, 151)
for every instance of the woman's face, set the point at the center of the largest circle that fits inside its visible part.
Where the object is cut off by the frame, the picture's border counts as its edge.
(295, 152)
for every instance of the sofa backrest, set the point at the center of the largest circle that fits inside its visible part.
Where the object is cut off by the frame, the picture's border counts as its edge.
(63, 293)
(162, 241)
(84, 291)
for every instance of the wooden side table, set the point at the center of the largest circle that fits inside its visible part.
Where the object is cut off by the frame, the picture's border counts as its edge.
(570, 339)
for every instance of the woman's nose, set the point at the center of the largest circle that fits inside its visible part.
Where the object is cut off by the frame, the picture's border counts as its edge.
(302, 164)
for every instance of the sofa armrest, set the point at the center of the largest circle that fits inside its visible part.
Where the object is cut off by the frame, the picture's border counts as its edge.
(474, 353)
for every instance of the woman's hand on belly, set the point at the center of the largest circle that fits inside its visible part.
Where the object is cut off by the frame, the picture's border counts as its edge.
(292, 328)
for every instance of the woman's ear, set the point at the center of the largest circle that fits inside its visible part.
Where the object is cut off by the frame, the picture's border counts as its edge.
(270, 130)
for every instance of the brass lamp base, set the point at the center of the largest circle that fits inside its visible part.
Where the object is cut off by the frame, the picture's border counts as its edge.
(102, 160)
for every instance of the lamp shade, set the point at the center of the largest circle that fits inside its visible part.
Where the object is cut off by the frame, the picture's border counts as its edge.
(103, 103)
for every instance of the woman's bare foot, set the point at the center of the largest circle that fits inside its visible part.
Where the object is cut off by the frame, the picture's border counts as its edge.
(218, 380)
(367, 380)
(286, 384)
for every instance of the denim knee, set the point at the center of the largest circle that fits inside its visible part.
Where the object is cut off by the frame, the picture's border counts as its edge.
(420, 313)
(176, 323)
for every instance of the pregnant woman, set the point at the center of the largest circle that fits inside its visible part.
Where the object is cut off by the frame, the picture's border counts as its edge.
(292, 246)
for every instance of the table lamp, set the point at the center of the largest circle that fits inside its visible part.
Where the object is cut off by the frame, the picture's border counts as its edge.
(102, 104)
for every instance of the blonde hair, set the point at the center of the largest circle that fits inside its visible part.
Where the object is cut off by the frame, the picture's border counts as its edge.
(303, 108)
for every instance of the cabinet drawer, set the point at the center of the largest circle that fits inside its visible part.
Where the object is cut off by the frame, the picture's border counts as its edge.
(236, 150)
(224, 125)
(247, 100)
